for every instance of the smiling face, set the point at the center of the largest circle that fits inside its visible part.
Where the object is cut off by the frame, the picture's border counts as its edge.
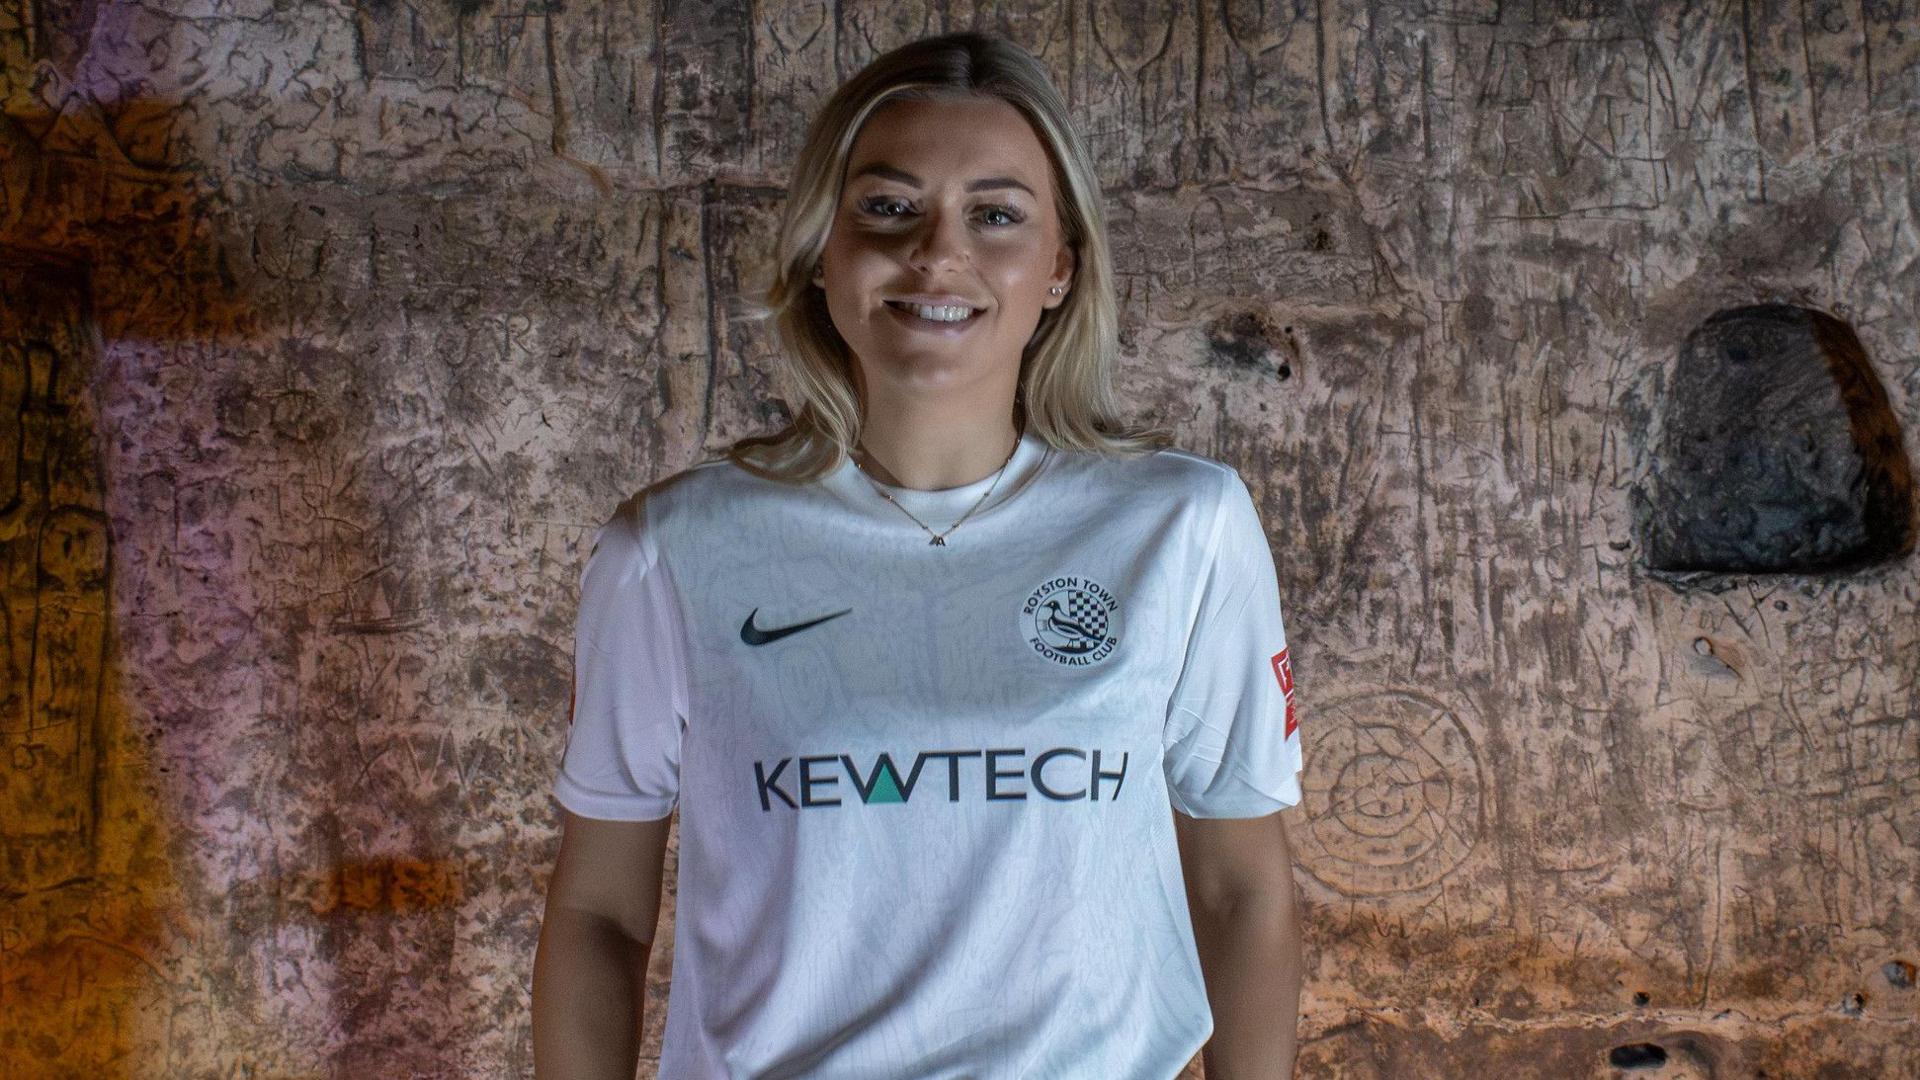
(946, 205)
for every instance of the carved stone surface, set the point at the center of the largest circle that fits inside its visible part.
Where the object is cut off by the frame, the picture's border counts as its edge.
(1395, 796)
(54, 547)
(384, 305)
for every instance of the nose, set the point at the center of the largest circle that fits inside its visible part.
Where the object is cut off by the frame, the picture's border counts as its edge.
(940, 240)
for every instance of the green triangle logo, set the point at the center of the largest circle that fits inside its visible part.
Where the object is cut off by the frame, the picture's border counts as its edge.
(886, 786)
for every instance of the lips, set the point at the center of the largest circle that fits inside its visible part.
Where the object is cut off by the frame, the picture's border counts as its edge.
(934, 300)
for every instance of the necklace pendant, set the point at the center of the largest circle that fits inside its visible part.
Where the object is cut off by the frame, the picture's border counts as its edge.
(937, 541)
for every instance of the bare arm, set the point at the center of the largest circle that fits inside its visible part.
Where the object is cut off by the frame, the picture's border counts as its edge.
(590, 973)
(1240, 890)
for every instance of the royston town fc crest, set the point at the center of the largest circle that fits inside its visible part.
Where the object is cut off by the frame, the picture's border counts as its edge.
(1073, 621)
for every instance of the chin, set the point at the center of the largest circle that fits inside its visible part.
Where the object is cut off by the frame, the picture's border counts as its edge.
(931, 370)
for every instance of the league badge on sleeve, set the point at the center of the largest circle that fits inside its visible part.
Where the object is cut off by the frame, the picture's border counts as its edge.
(1283, 671)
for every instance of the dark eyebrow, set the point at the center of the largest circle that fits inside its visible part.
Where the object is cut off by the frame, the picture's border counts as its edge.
(889, 172)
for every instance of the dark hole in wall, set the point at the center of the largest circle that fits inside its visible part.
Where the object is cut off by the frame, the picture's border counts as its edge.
(1637, 1056)
(1780, 452)
(1248, 341)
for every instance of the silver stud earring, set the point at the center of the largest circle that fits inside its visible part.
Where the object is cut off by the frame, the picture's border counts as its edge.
(1056, 290)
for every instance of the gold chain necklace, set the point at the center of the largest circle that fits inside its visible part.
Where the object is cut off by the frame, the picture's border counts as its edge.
(939, 539)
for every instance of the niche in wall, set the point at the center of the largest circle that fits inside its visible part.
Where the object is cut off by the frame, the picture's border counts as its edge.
(1779, 452)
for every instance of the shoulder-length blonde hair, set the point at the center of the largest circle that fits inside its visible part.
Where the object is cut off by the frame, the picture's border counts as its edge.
(1066, 370)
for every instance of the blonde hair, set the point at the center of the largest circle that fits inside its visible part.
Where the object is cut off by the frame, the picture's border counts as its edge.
(1066, 380)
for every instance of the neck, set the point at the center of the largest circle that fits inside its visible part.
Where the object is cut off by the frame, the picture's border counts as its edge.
(930, 446)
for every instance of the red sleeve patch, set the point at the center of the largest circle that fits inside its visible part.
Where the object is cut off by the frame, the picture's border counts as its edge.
(1283, 671)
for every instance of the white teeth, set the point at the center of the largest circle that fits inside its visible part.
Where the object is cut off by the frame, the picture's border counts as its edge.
(937, 314)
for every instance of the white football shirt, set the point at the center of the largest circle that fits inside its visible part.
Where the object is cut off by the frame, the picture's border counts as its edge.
(926, 793)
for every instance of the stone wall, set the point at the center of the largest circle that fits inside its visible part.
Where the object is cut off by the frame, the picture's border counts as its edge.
(332, 329)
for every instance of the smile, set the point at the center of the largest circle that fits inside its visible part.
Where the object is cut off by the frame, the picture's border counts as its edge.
(931, 313)
(934, 319)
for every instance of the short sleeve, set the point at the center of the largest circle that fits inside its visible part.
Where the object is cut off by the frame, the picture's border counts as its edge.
(622, 759)
(1232, 743)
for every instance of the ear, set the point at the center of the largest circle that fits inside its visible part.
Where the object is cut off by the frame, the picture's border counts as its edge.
(1064, 262)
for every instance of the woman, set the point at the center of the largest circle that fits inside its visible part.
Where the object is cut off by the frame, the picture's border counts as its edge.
(975, 700)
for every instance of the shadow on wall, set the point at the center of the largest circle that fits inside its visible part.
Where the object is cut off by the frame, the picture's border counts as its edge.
(83, 873)
(1647, 1048)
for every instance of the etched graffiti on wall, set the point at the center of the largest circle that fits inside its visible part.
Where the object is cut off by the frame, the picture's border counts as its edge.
(1394, 794)
(53, 547)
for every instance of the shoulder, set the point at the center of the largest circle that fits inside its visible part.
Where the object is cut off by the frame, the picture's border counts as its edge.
(693, 498)
(1200, 482)
(1195, 469)
(1184, 498)
(1213, 498)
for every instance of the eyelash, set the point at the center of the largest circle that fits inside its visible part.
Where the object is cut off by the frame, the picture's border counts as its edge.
(868, 205)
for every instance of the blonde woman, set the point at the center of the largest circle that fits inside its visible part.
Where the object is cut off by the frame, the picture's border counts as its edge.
(975, 700)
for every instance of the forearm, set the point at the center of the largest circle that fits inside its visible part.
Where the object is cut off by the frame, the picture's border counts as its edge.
(589, 998)
(1251, 959)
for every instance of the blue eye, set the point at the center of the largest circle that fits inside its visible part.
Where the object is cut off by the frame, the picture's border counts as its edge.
(870, 204)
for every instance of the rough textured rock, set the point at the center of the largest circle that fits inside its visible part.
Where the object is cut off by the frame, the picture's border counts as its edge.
(383, 306)
(1779, 452)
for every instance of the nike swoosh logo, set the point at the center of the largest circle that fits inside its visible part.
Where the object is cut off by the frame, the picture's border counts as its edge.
(756, 635)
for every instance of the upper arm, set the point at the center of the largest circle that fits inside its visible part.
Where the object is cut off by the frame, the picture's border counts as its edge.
(1227, 859)
(612, 869)
(1231, 740)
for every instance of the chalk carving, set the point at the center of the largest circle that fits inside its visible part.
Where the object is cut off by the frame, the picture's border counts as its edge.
(1393, 794)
